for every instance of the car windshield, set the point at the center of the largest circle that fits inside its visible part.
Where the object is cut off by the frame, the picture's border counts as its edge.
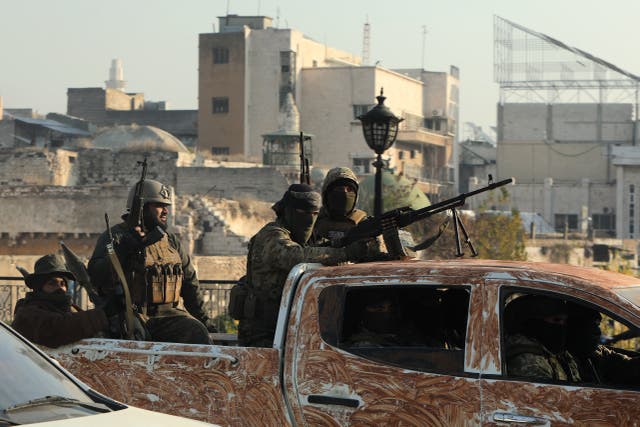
(26, 376)
(630, 294)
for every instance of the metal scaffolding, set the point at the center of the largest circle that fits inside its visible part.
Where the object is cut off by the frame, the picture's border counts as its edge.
(532, 67)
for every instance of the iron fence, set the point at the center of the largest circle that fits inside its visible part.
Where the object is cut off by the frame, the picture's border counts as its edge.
(215, 294)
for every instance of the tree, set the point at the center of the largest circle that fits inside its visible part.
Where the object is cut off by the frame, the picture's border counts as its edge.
(495, 234)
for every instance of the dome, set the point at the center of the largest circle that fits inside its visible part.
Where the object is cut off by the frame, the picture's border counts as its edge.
(138, 138)
(397, 191)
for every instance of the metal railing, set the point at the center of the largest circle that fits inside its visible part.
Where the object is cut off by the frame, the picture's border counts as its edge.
(215, 294)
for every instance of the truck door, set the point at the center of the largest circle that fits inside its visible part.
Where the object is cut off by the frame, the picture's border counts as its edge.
(579, 382)
(380, 354)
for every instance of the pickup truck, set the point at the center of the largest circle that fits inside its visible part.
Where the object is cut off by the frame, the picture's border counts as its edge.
(439, 360)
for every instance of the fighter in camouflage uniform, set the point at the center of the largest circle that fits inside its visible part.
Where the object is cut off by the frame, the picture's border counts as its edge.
(157, 284)
(598, 363)
(273, 251)
(536, 341)
(338, 213)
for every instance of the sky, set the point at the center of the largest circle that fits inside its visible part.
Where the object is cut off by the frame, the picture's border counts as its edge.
(49, 46)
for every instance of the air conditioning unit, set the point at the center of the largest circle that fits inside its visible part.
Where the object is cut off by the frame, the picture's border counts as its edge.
(436, 113)
(358, 169)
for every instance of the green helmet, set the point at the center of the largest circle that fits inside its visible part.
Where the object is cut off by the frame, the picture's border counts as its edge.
(152, 191)
(336, 175)
(45, 267)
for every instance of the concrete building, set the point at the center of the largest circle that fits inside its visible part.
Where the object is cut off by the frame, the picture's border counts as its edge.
(567, 132)
(249, 69)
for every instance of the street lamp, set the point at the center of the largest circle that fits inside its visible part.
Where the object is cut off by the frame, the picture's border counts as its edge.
(380, 129)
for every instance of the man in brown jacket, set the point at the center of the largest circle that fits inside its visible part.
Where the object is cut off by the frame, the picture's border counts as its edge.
(46, 316)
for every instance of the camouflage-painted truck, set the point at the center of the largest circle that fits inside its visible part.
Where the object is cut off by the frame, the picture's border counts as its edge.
(444, 365)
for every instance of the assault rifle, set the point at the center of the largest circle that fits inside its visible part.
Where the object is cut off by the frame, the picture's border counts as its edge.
(127, 325)
(136, 212)
(305, 177)
(390, 222)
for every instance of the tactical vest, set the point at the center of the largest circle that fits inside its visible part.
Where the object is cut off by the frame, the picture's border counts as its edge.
(160, 279)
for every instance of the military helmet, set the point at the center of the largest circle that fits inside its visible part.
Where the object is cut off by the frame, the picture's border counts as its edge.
(339, 174)
(152, 191)
(48, 265)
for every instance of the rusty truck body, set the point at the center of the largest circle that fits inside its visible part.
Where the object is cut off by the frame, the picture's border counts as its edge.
(450, 369)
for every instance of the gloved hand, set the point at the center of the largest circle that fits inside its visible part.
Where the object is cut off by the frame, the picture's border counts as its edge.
(211, 325)
(112, 306)
(366, 251)
(129, 243)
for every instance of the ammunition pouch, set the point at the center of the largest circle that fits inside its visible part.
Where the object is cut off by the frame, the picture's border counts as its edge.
(164, 283)
(238, 299)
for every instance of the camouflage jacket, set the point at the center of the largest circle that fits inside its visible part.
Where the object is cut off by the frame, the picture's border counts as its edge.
(103, 279)
(52, 321)
(527, 357)
(272, 254)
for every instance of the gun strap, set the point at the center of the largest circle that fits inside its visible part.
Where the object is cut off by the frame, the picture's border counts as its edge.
(128, 313)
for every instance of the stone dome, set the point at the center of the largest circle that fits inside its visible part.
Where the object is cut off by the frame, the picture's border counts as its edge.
(138, 138)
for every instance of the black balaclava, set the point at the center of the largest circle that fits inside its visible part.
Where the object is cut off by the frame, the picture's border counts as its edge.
(298, 209)
(527, 314)
(583, 331)
(341, 203)
(552, 336)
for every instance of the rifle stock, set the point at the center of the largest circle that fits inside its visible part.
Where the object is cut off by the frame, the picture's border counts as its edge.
(402, 217)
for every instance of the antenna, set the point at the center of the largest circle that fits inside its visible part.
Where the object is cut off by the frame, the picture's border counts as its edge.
(366, 41)
(227, 7)
(424, 38)
(278, 17)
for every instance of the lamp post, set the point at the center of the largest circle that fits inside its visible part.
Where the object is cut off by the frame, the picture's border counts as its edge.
(380, 129)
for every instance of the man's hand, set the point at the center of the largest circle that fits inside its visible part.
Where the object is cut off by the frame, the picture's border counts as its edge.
(210, 324)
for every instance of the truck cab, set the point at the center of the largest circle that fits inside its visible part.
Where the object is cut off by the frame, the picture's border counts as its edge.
(412, 342)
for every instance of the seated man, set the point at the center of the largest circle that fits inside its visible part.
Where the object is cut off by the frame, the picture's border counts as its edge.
(380, 324)
(46, 315)
(536, 329)
(597, 363)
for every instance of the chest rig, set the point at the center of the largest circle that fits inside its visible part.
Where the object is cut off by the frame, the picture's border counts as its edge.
(159, 280)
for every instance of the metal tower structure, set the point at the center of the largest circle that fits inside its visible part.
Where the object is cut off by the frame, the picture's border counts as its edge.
(366, 43)
(532, 67)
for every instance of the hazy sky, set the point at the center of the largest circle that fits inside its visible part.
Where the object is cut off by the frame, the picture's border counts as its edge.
(49, 46)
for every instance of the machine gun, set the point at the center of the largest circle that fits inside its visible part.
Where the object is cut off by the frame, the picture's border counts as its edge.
(305, 177)
(390, 222)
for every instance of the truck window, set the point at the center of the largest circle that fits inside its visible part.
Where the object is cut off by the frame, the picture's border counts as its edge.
(547, 338)
(415, 327)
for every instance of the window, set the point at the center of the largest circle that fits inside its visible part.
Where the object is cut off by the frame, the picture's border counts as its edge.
(400, 154)
(414, 327)
(360, 109)
(552, 338)
(220, 151)
(220, 55)
(605, 221)
(570, 221)
(220, 105)
(413, 154)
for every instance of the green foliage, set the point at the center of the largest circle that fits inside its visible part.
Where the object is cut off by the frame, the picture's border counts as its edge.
(226, 324)
(494, 235)
(500, 236)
